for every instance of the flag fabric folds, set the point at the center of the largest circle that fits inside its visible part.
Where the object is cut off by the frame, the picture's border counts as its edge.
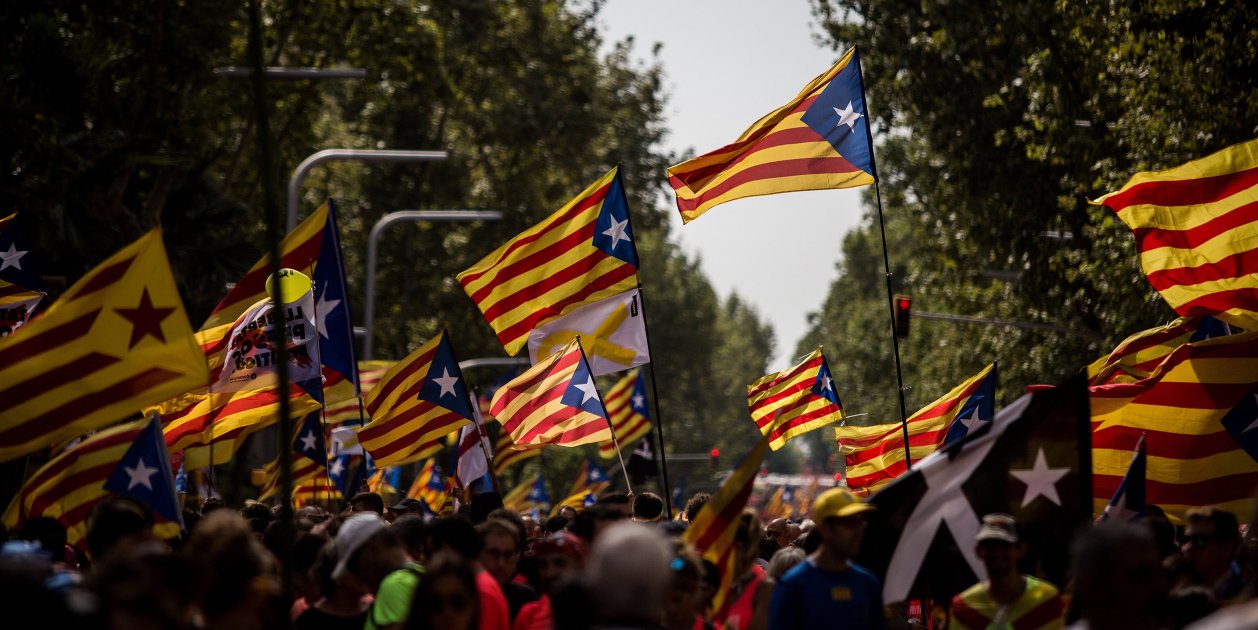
(342, 403)
(506, 454)
(819, 140)
(875, 454)
(144, 473)
(613, 332)
(72, 483)
(17, 305)
(420, 399)
(209, 428)
(553, 402)
(470, 462)
(117, 340)
(579, 500)
(581, 254)
(627, 410)
(794, 401)
(589, 477)
(430, 486)
(1031, 461)
(529, 496)
(309, 455)
(1196, 229)
(1197, 412)
(1128, 502)
(17, 262)
(331, 310)
(1138, 355)
(714, 527)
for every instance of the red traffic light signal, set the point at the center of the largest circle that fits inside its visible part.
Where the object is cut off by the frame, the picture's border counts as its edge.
(714, 453)
(903, 311)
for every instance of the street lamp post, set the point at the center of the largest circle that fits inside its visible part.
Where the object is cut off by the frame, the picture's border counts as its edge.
(348, 155)
(373, 241)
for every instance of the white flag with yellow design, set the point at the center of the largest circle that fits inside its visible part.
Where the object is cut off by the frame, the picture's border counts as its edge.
(613, 334)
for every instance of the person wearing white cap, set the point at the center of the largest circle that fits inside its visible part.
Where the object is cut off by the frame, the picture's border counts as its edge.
(1006, 599)
(368, 550)
(827, 589)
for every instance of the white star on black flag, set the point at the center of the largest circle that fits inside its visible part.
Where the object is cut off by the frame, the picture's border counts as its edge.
(920, 541)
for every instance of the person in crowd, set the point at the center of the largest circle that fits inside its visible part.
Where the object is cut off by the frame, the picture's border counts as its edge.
(555, 523)
(1005, 598)
(306, 550)
(144, 586)
(458, 535)
(482, 505)
(367, 502)
(406, 507)
(1117, 578)
(366, 549)
(413, 532)
(532, 529)
(116, 524)
(1163, 531)
(628, 569)
(696, 501)
(684, 597)
(50, 534)
(619, 501)
(236, 579)
(778, 531)
(341, 604)
(568, 512)
(739, 608)
(558, 556)
(502, 542)
(782, 561)
(594, 519)
(1211, 541)
(447, 597)
(648, 507)
(827, 589)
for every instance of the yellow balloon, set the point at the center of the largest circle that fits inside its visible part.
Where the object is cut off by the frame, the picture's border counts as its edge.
(293, 285)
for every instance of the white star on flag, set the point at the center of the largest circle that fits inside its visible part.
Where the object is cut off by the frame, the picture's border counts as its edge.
(11, 258)
(971, 422)
(446, 382)
(322, 309)
(338, 467)
(617, 231)
(308, 441)
(140, 475)
(848, 116)
(587, 389)
(827, 383)
(639, 401)
(1040, 480)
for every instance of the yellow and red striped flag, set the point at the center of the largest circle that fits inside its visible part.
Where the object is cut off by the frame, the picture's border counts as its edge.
(1196, 229)
(875, 453)
(196, 420)
(304, 470)
(581, 254)
(774, 506)
(713, 530)
(1138, 355)
(528, 496)
(819, 140)
(553, 402)
(317, 490)
(430, 486)
(72, 483)
(794, 401)
(347, 409)
(114, 342)
(627, 410)
(578, 500)
(590, 476)
(506, 454)
(420, 399)
(1197, 412)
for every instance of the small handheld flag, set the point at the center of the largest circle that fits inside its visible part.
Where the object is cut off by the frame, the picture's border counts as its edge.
(144, 474)
(553, 402)
(794, 401)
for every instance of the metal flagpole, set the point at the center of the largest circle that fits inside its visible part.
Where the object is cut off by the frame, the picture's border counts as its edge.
(886, 266)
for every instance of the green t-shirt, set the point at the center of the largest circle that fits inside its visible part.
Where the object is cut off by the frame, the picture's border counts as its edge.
(393, 599)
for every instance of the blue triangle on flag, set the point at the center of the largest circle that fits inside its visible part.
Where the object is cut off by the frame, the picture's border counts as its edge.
(538, 494)
(838, 115)
(309, 440)
(979, 407)
(594, 474)
(637, 400)
(17, 261)
(824, 385)
(444, 386)
(144, 474)
(612, 232)
(581, 392)
(335, 323)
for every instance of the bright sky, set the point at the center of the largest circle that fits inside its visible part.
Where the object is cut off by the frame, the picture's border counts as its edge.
(727, 63)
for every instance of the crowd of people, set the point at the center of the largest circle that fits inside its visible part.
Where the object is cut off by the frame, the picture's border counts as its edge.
(619, 563)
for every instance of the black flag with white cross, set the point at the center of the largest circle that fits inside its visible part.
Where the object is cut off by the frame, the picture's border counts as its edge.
(1033, 461)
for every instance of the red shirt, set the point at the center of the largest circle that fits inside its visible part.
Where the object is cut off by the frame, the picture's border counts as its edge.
(494, 614)
(535, 615)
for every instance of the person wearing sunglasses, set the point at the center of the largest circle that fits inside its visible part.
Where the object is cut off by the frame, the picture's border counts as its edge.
(1211, 540)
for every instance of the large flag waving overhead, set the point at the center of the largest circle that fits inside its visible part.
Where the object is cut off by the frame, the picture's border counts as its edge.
(421, 398)
(819, 140)
(1030, 462)
(794, 401)
(506, 455)
(1197, 412)
(115, 341)
(1140, 354)
(581, 254)
(553, 402)
(331, 312)
(1196, 229)
(875, 454)
(627, 409)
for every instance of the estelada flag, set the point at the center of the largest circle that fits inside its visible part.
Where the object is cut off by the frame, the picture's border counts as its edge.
(116, 341)
(627, 409)
(553, 402)
(794, 401)
(1196, 229)
(819, 140)
(16, 307)
(581, 254)
(1140, 354)
(17, 260)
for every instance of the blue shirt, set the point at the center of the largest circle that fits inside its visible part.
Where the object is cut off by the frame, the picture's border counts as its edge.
(810, 597)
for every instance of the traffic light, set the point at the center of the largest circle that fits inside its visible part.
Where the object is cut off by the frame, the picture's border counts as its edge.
(714, 456)
(903, 311)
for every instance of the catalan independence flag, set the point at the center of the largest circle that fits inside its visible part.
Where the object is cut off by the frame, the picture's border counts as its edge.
(581, 254)
(17, 261)
(553, 402)
(73, 482)
(430, 486)
(1138, 355)
(1196, 229)
(712, 532)
(875, 453)
(819, 140)
(627, 410)
(308, 453)
(209, 428)
(528, 496)
(117, 340)
(590, 476)
(1197, 412)
(794, 401)
(420, 399)
(506, 455)
(347, 410)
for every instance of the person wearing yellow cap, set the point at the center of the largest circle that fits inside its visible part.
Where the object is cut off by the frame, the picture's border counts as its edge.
(827, 589)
